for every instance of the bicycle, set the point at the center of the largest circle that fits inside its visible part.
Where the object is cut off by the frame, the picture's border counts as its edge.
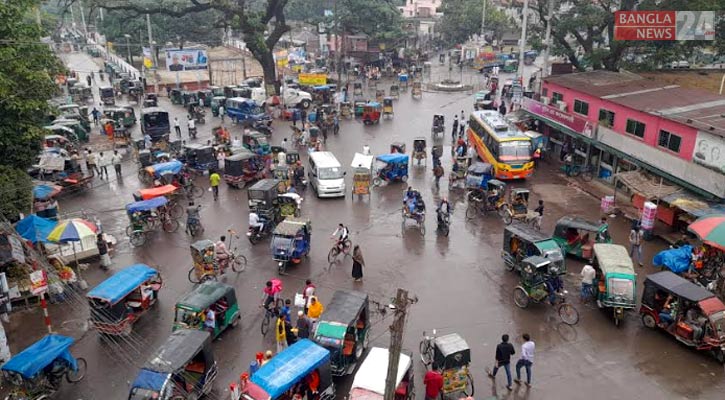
(425, 348)
(192, 191)
(270, 313)
(335, 250)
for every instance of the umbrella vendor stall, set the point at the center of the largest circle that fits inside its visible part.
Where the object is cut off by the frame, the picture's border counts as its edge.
(73, 231)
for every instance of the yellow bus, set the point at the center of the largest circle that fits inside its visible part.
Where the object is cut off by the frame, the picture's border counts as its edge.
(501, 144)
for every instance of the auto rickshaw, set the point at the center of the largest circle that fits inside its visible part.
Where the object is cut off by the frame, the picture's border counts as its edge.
(291, 242)
(151, 173)
(346, 109)
(282, 174)
(457, 177)
(256, 142)
(388, 107)
(263, 199)
(357, 89)
(379, 95)
(394, 91)
(182, 368)
(293, 366)
(397, 147)
(510, 66)
(483, 100)
(420, 151)
(151, 100)
(576, 236)
(371, 113)
(369, 380)
(438, 127)
(391, 168)
(215, 103)
(521, 241)
(451, 355)
(362, 174)
(243, 167)
(118, 302)
(122, 116)
(216, 91)
(189, 98)
(134, 94)
(687, 311)
(403, 81)
(615, 286)
(108, 95)
(205, 95)
(360, 107)
(176, 97)
(417, 91)
(290, 204)
(200, 157)
(190, 312)
(518, 207)
(540, 282)
(343, 329)
(37, 372)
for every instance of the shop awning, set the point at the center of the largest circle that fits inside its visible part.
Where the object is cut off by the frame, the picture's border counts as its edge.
(558, 126)
(693, 204)
(643, 185)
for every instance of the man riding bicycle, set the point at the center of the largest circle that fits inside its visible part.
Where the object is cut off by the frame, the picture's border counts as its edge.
(444, 208)
(192, 215)
(221, 252)
(342, 234)
(271, 294)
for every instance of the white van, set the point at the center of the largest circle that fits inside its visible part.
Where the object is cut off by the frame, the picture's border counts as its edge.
(326, 175)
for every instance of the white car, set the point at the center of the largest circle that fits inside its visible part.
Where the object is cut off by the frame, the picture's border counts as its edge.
(295, 97)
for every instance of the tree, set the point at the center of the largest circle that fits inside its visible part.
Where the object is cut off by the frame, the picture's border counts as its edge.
(462, 19)
(26, 84)
(261, 23)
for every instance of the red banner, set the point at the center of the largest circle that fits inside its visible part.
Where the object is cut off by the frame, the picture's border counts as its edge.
(574, 122)
(645, 25)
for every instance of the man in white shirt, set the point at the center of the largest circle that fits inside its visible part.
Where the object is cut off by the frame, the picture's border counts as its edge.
(588, 273)
(281, 158)
(116, 161)
(221, 113)
(635, 244)
(177, 127)
(526, 360)
(255, 222)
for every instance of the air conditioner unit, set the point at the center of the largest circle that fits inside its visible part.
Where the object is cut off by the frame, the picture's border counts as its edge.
(562, 105)
(545, 100)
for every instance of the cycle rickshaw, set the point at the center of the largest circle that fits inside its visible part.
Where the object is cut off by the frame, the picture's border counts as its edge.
(206, 264)
(451, 355)
(388, 107)
(379, 95)
(417, 91)
(290, 242)
(403, 80)
(146, 216)
(36, 373)
(346, 109)
(439, 126)
(518, 207)
(362, 167)
(457, 177)
(414, 208)
(394, 91)
(419, 150)
(540, 282)
(172, 194)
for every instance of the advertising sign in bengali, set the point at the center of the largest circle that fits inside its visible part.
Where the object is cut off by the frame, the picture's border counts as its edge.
(38, 282)
(574, 122)
(313, 79)
(186, 59)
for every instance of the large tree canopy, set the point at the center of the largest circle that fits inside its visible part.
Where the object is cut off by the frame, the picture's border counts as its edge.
(27, 67)
(462, 19)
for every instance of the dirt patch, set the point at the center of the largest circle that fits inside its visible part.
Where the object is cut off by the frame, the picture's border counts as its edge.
(704, 80)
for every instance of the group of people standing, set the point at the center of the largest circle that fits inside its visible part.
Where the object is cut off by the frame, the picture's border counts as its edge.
(98, 164)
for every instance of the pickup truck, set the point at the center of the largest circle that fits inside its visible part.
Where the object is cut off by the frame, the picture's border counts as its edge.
(296, 98)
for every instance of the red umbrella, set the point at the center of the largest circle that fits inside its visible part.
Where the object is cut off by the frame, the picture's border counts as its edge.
(710, 229)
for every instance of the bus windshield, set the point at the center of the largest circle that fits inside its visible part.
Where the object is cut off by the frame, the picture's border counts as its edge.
(517, 150)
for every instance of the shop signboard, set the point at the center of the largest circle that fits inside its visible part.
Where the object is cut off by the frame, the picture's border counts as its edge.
(313, 79)
(38, 282)
(576, 123)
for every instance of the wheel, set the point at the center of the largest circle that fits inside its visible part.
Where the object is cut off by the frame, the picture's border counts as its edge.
(236, 321)
(521, 297)
(508, 217)
(426, 352)
(305, 104)
(77, 376)
(332, 255)
(470, 389)
(445, 230)
(192, 276)
(719, 355)
(649, 321)
(170, 225)
(568, 314)
(138, 238)
(143, 176)
(421, 226)
(471, 211)
(587, 175)
(265, 323)
(404, 178)
(129, 231)
(176, 211)
(239, 264)
(377, 181)
(282, 268)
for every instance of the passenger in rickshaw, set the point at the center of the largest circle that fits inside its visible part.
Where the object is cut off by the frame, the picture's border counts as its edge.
(554, 285)
(461, 148)
(520, 206)
(419, 146)
(414, 202)
(493, 196)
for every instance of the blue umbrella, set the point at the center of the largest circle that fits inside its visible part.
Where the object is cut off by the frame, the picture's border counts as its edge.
(34, 228)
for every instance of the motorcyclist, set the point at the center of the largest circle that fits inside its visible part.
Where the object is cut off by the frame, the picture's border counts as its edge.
(342, 234)
(299, 174)
(256, 222)
(410, 200)
(444, 209)
(192, 216)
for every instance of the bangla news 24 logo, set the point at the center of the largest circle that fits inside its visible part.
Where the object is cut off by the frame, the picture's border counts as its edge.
(664, 25)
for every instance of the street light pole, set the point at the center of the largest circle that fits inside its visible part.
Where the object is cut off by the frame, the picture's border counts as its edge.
(547, 39)
(128, 49)
(522, 49)
(483, 20)
(153, 54)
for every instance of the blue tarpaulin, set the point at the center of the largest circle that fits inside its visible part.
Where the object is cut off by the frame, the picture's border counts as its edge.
(395, 158)
(122, 283)
(34, 228)
(676, 260)
(173, 166)
(43, 191)
(289, 367)
(150, 380)
(147, 205)
(41, 354)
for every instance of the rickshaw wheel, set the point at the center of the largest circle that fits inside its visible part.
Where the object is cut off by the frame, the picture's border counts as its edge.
(521, 297)
(196, 192)
(76, 376)
(171, 225)
(239, 264)
(569, 315)
(508, 218)
(192, 275)
(649, 321)
(470, 389)
(404, 178)
(129, 230)
(281, 269)
(137, 238)
(471, 211)
(176, 211)
(719, 355)
(426, 352)
(377, 181)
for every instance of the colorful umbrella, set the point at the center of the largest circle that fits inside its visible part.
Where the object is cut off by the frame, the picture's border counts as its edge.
(710, 229)
(72, 230)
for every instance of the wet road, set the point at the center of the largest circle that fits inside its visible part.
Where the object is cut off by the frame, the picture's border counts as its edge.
(460, 281)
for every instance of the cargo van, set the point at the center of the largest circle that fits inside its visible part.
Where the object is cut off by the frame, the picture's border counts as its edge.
(326, 175)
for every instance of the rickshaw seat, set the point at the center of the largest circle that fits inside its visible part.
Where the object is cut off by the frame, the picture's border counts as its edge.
(197, 367)
(360, 324)
(134, 303)
(349, 346)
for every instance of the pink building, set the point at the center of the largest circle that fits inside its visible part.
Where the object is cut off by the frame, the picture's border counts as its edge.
(619, 122)
(420, 8)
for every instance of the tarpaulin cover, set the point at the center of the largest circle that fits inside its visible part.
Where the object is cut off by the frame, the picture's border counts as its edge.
(41, 354)
(289, 367)
(393, 158)
(151, 193)
(34, 228)
(676, 260)
(173, 166)
(150, 380)
(44, 191)
(146, 205)
(122, 283)
(373, 372)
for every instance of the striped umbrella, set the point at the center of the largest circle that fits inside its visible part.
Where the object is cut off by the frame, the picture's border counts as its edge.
(710, 229)
(72, 230)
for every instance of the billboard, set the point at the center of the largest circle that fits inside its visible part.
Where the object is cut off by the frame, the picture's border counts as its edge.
(709, 151)
(664, 25)
(186, 59)
(312, 79)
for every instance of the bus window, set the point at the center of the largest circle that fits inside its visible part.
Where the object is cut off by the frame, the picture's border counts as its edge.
(514, 151)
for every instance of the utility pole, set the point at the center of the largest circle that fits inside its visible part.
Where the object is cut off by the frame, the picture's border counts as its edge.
(153, 54)
(338, 45)
(522, 49)
(547, 39)
(396, 342)
(128, 49)
(83, 19)
(483, 20)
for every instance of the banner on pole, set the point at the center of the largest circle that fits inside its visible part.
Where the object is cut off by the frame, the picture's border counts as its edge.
(186, 59)
(313, 79)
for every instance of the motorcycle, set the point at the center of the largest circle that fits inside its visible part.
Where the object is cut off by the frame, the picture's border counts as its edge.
(444, 223)
(256, 235)
(263, 127)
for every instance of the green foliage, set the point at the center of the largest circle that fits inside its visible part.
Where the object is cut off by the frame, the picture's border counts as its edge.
(15, 196)
(311, 11)
(462, 19)
(26, 70)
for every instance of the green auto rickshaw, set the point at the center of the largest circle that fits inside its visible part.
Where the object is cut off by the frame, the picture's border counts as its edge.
(189, 98)
(216, 91)
(175, 95)
(205, 95)
(521, 241)
(615, 286)
(80, 132)
(219, 298)
(216, 102)
(576, 236)
(122, 116)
